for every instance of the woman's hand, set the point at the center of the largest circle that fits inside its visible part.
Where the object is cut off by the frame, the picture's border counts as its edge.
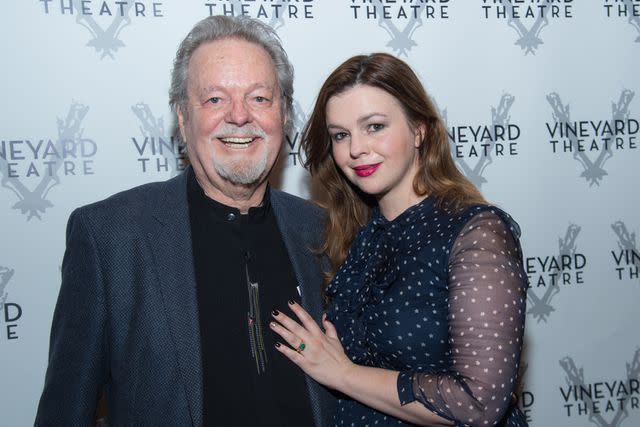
(319, 354)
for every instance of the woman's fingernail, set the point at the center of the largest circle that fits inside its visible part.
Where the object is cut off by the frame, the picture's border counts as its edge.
(275, 312)
(277, 345)
(291, 302)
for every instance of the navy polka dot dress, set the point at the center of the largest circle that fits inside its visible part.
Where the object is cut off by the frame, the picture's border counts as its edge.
(439, 297)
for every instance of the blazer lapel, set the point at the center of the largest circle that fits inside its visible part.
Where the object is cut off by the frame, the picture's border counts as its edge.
(169, 235)
(306, 264)
(308, 271)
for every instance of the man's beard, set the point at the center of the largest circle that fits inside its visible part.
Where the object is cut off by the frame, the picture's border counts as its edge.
(237, 169)
(243, 171)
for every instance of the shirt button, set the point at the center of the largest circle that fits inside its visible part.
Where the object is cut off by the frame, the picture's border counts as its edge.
(231, 216)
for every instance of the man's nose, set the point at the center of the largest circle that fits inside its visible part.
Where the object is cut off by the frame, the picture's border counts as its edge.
(238, 113)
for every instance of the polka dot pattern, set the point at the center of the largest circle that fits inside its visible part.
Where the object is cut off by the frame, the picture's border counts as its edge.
(439, 297)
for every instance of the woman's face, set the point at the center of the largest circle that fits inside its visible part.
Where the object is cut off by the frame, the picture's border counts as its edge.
(374, 144)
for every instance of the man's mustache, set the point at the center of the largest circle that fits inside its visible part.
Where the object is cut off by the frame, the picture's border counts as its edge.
(247, 130)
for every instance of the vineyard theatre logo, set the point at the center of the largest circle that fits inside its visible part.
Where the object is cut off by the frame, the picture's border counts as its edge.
(627, 256)
(532, 13)
(483, 142)
(274, 12)
(549, 273)
(612, 398)
(624, 9)
(156, 151)
(526, 399)
(104, 19)
(400, 18)
(5, 275)
(292, 139)
(40, 162)
(601, 137)
(10, 312)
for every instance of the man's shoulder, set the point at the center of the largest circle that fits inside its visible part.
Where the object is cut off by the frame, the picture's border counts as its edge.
(296, 205)
(133, 201)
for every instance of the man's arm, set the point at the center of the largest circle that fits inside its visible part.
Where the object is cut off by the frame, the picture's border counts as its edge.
(78, 363)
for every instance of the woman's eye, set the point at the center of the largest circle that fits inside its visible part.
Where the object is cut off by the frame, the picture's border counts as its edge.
(376, 127)
(338, 136)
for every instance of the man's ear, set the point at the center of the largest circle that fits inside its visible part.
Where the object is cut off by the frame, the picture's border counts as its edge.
(181, 120)
(285, 118)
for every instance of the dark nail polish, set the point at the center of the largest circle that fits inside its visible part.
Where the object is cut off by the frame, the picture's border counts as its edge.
(275, 312)
(291, 302)
(277, 345)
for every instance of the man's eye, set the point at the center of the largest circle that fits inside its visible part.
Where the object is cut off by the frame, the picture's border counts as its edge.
(261, 99)
(214, 100)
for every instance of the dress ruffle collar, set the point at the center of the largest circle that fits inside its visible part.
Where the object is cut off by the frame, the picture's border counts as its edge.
(369, 270)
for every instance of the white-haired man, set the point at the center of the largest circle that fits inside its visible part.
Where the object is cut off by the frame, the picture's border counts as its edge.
(167, 288)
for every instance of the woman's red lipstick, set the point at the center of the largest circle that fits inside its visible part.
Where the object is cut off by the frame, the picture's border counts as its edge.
(366, 170)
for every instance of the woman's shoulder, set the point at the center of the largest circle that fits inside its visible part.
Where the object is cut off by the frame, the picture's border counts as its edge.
(488, 216)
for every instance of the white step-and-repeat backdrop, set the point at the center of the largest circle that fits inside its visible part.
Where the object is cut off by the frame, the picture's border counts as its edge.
(541, 99)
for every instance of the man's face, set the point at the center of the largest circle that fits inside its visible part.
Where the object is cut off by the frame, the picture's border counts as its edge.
(234, 125)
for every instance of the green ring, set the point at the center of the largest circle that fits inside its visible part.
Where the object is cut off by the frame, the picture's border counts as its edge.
(302, 346)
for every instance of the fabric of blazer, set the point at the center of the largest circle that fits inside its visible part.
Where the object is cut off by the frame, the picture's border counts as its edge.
(126, 318)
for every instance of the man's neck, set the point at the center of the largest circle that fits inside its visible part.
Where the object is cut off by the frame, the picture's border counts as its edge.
(241, 197)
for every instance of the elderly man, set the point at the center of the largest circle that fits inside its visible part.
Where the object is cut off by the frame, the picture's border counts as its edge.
(167, 288)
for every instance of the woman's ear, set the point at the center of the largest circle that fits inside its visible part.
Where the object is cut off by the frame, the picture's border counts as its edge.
(420, 134)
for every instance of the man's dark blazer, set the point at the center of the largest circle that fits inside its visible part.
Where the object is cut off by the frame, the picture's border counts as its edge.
(126, 317)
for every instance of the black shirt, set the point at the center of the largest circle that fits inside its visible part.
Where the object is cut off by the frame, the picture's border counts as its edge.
(243, 273)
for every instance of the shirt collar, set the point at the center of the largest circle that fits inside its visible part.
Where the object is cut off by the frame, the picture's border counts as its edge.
(217, 211)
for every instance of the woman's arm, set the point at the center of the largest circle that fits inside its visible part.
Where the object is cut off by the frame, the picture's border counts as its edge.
(324, 360)
(487, 296)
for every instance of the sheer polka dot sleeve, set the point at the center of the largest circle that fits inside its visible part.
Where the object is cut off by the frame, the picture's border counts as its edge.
(487, 295)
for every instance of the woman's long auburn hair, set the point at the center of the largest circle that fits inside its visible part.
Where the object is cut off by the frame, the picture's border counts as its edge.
(349, 208)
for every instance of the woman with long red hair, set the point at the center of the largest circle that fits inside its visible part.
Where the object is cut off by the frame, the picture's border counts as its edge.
(427, 290)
